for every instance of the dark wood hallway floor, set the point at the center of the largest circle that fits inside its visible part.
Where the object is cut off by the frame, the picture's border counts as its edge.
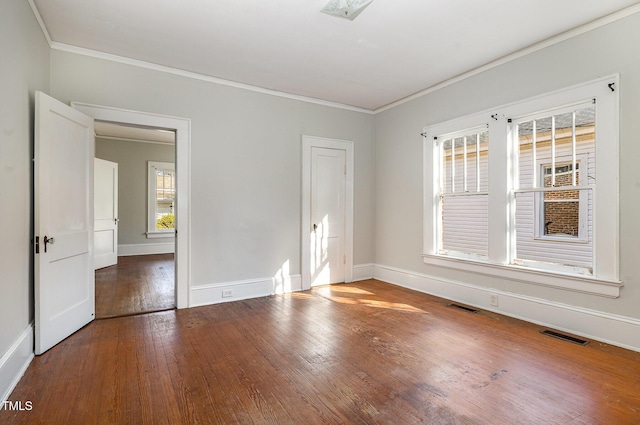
(137, 284)
(361, 353)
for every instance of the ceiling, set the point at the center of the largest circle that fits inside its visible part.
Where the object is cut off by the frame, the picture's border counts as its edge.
(393, 49)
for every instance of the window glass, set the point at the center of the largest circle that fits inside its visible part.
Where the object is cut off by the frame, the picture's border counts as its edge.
(161, 198)
(556, 150)
(463, 208)
(165, 198)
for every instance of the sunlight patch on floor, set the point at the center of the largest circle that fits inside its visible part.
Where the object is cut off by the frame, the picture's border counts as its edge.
(350, 290)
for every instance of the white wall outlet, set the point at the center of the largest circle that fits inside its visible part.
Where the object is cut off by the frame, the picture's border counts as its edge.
(226, 293)
(494, 300)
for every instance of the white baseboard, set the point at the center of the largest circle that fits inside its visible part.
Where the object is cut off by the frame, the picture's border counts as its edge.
(14, 362)
(363, 271)
(243, 289)
(608, 328)
(126, 250)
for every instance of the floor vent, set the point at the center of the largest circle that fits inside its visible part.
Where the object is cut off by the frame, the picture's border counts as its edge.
(464, 308)
(564, 337)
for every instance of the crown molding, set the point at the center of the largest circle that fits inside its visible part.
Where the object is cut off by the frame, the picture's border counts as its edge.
(613, 17)
(616, 16)
(36, 13)
(197, 76)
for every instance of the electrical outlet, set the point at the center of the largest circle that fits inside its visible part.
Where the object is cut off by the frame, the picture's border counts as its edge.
(226, 293)
(494, 300)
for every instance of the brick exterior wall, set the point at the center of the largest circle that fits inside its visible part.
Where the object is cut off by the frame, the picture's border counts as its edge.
(561, 209)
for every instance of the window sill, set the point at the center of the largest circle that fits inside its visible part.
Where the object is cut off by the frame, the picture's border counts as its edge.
(570, 282)
(563, 239)
(156, 235)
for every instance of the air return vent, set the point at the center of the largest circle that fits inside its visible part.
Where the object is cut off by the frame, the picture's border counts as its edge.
(463, 308)
(564, 337)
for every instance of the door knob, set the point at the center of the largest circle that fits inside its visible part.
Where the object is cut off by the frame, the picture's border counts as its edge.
(315, 227)
(115, 221)
(48, 240)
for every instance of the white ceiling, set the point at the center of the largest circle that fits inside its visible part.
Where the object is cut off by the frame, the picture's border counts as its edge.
(394, 49)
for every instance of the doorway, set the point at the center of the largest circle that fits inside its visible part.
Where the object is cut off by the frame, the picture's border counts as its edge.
(140, 276)
(181, 129)
(327, 211)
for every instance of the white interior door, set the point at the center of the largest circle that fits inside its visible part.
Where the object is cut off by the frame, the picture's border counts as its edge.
(328, 184)
(63, 210)
(105, 192)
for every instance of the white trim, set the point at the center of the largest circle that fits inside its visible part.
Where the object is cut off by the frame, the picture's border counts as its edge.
(585, 284)
(160, 235)
(44, 29)
(363, 271)
(201, 77)
(128, 139)
(242, 290)
(606, 20)
(182, 127)
(307, 143)
(605, 327)
(261, 287)
(14, 362)
(126, 250)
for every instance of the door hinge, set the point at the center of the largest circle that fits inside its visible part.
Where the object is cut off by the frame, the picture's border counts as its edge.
(37, 244)
(344, 259)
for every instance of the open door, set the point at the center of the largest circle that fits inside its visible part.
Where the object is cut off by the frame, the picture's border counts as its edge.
(63, 210)
(105, 194)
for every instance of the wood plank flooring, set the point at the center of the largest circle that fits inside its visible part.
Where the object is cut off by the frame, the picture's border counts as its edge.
(137, 284)
(361, 353)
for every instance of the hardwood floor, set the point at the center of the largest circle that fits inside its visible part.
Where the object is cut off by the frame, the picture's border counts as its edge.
(137, 284)
(361, 353)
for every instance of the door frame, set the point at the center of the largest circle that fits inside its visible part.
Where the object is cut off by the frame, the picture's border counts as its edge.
(309, 142)
(182, 127)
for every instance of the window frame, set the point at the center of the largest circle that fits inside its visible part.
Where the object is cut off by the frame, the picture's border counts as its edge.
(604, 279)
(583, 202)
(152, 231)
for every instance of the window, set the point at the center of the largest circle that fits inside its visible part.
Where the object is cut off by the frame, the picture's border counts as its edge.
(560, 214)
(463, 193)
(553, 199)
(161, 199)
(536, 210)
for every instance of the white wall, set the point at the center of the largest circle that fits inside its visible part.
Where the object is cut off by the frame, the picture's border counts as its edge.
(245, 162)
(132, 159)
(600, 52)
(24, 69)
